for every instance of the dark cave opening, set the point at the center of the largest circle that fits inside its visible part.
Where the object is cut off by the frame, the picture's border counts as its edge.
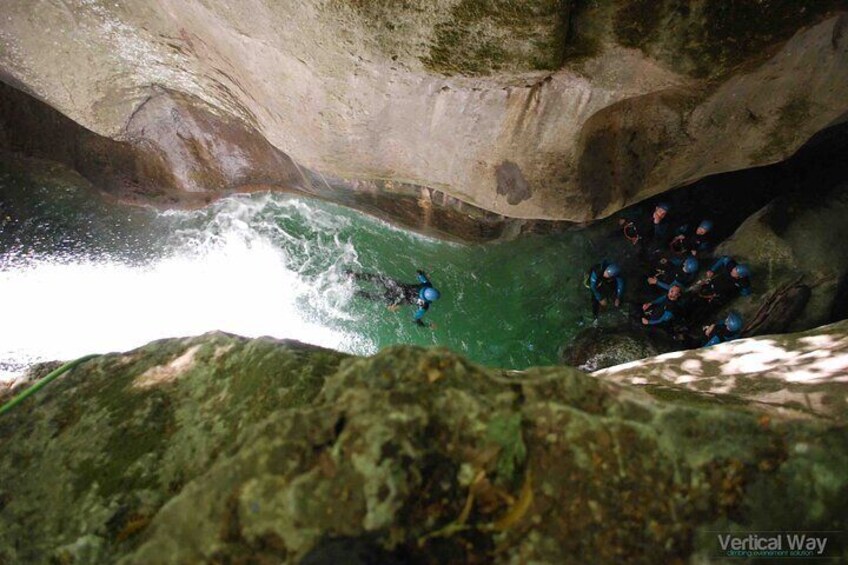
(801, 182)
(820, 165)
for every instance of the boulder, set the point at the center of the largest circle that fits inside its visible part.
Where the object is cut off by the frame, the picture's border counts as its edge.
(805, 371)
(597, 348)
(795, 247)
(224, 449)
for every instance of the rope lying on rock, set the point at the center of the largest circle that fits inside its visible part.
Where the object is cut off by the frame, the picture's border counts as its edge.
(44, 382)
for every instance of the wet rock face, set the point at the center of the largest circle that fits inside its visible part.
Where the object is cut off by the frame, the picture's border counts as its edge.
(172, 152)
(223, 449)
(511, 183)
(532, 110)
(206, 153)
(598, 348)
(623, 145)
(795, 247)
(175, 152)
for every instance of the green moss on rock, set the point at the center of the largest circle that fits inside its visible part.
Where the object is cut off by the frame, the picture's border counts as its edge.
(218, 449)
(484, 36)
(676, 394)
(791, 119)
(637, 21)
(505, 432)
(708, 38)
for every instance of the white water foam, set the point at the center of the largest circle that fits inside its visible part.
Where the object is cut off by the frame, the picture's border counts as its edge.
(225, 276)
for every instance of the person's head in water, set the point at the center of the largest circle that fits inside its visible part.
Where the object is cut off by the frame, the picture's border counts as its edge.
(690, 265)
(704, 227)
(612, 271)
(431, 294)
(660, 212)
(740, 271)
(674, 292)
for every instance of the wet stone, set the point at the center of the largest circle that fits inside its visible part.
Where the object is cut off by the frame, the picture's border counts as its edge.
(273, 451)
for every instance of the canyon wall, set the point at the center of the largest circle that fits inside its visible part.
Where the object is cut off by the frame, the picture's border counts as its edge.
(537, 110)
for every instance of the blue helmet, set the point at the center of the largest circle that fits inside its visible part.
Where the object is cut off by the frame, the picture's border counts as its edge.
(743, 270)
(690, 265)
(664, 205)
(733, 321)
(612, 270)
(706, 225)
(430, 294)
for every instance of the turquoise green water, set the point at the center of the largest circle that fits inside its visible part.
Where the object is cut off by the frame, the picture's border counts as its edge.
(268, 265)
(509, 304)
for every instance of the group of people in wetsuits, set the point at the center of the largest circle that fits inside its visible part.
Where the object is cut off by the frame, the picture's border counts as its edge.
(673, 260)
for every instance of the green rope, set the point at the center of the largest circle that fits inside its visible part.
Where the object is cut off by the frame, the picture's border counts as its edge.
(44, 382)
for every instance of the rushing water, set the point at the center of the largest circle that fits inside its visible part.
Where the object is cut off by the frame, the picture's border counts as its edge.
(81, 275)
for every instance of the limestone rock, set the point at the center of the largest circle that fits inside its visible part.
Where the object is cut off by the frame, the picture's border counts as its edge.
(795, 247)
(598, 348)
(536, 110)
(805, 371)
(223, 449)
(176, 153)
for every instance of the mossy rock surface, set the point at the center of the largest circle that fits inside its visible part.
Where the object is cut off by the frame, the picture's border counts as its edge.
(469, 37)
(709, 38)
(802, 373)
(224, 449)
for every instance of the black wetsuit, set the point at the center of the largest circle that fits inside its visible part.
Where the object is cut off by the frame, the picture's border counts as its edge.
(396, 292)
(602, 287)
(650, 237)
(663, 313)
(719, 290)
(723, 286)
(720, 334)
(693, 244)
(673, 271)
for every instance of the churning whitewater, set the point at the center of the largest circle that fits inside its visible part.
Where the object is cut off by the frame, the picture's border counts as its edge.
(82, 275)
(219, 269)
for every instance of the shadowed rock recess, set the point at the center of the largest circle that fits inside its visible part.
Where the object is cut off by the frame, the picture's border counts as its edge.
(219, 449)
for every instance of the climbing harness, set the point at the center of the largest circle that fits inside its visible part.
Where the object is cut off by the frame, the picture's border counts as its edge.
(631, 233)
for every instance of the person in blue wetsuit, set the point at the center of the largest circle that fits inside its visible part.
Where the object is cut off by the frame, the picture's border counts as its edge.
(665, 310)
(684, 272)
(605, 283)
(395, 293)
(726, 279)
(725, 330)
(697, 243)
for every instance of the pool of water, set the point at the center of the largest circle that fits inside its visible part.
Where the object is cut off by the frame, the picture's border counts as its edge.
(79, 274)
